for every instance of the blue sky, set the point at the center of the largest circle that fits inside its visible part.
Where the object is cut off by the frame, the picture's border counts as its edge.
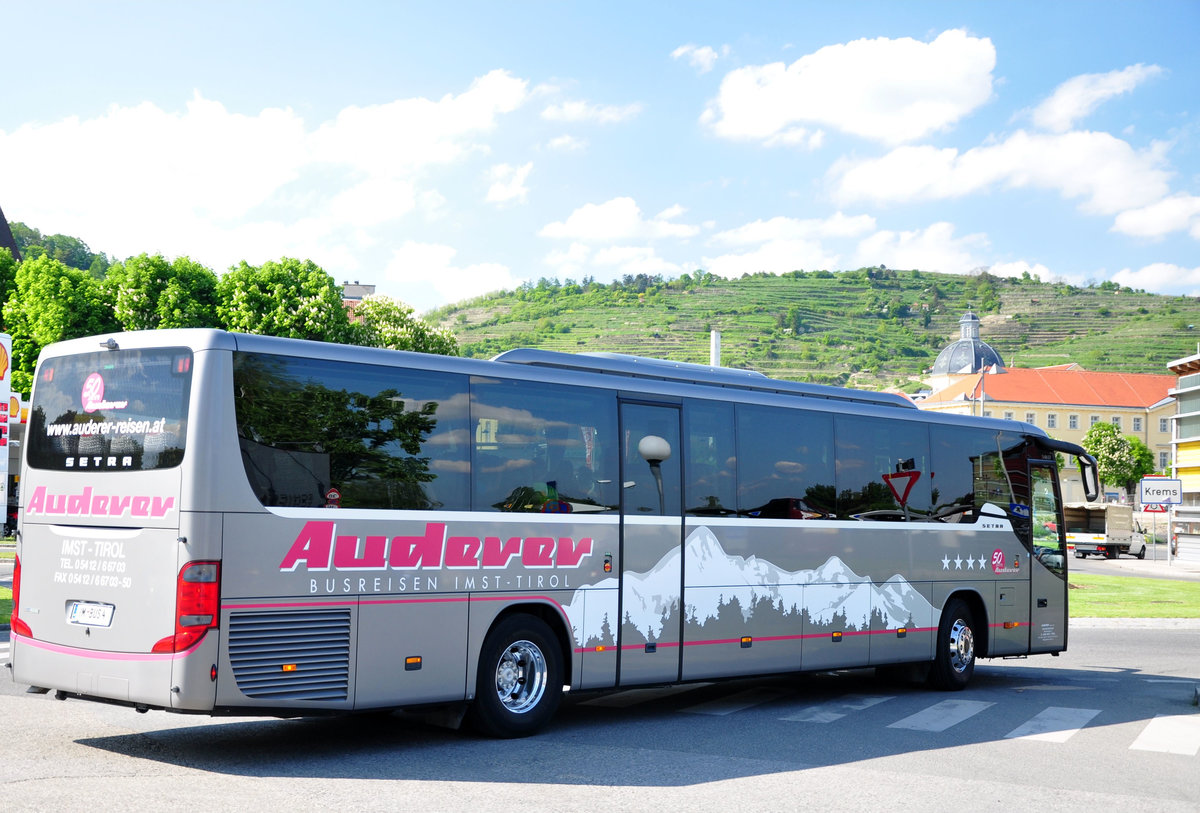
(440, 151)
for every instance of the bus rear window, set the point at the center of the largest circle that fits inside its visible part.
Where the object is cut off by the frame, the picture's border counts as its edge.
(114, 410)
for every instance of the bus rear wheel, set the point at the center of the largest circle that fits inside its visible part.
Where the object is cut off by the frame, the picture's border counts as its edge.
(519, 682)
(954, 662)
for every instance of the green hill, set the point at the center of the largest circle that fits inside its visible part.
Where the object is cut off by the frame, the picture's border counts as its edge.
(871, 328)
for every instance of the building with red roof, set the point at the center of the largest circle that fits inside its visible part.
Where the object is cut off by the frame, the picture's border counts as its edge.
(1065, 401)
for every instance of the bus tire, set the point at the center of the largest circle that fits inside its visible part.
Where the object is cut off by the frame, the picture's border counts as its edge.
(519, 681)
(954, 662)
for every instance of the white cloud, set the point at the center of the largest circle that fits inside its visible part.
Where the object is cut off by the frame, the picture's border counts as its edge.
(139, 160)
(579, 259)
(634, 260)
(508, 183)
(786, 228)
(1077, 97)
(774, 257)
(566, 143)
(617, 220)
(783, 244)
(931, 249)
(222, 186)
(700, 57)
(575, 112)
(409, 134)
(887, 90)
(427, 263)
(1164, 278)
(1106, 173)
(376, 200)
(569, 262)
(1177, 213)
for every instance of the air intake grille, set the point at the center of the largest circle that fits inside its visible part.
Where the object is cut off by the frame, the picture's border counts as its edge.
(316, 642)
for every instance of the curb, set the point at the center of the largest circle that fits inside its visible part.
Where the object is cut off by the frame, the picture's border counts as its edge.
(1134, 623)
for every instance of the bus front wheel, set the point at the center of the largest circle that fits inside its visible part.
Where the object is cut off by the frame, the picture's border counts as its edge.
(519, 682)
(954, 662)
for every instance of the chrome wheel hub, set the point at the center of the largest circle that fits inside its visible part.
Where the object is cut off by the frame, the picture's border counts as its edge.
(521, 676)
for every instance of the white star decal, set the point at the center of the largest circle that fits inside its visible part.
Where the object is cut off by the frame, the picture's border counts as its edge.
(970, 563)
(945, 563)
(982, 562)
(958, 563)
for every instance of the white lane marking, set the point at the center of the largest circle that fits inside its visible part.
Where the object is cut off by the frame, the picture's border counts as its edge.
(836, 709)
(632, 697)
(1170, 734)
(735, 702)
(1053, 724)
(1050, 687)
(942, 716)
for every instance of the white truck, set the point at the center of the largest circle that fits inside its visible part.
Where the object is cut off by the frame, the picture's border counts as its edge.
(1103, 529)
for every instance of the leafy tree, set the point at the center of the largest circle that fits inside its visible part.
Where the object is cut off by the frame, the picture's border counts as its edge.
(292, 298)
(383, 322)
(52, 302)
(1121, 460)
(68, 250)
(147, 292)
(1144, 457)
(8, 275)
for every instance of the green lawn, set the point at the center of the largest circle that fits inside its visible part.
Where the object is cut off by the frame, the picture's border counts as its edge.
(1094, 596)
(5, 604)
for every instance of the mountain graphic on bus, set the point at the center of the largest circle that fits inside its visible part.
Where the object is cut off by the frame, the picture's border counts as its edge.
(726, 591)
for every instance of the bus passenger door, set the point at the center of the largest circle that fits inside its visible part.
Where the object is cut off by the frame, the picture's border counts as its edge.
(651, 600)
(1048, 585)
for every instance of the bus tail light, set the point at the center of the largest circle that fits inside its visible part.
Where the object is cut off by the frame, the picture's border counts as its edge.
(18, 626)
(197, 605)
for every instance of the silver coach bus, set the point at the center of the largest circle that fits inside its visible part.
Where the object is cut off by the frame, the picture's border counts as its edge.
(232, 524)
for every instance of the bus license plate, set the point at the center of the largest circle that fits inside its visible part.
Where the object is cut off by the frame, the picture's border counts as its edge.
(90, 614)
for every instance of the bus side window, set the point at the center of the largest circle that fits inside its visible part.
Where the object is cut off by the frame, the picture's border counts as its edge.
(710, 461)
(883, 471)
(785, 463)
(540, 447)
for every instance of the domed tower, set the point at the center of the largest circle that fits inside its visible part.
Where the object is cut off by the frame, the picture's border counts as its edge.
(968, 355)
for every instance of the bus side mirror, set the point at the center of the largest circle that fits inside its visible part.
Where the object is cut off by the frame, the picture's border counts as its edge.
(1091, 477)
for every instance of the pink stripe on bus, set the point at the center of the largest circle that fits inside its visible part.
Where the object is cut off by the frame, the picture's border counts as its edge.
(105, 656)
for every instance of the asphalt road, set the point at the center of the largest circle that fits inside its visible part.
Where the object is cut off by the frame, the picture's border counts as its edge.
(1110, 725)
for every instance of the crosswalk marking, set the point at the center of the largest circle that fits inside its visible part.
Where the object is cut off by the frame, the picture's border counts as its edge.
(631, 697)
(941, 716)
(1170, 734)
(735, 702)
(1054, 724)
(836, 709)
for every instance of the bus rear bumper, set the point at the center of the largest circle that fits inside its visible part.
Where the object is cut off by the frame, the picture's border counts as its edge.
(139, 680)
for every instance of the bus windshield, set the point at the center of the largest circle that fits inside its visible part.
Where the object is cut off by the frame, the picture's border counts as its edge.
(123, 410)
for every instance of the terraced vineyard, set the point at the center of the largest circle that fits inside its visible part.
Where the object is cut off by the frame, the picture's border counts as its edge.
(871, 328)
